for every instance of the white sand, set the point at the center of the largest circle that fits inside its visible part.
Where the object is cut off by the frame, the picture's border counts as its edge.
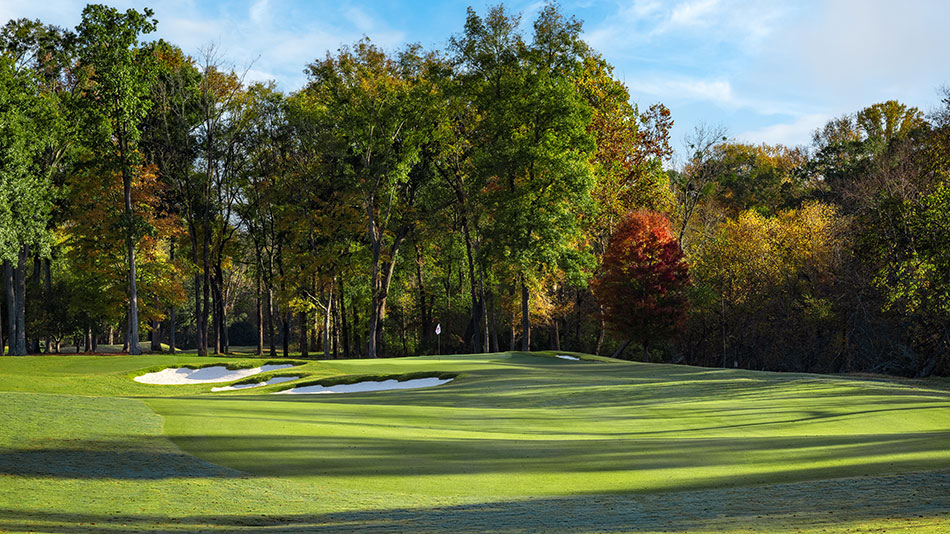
(217, 373)
(369, 385)
(275, 380)
(566, 357)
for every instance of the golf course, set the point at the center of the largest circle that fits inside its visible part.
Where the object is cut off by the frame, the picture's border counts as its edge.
(510, 442)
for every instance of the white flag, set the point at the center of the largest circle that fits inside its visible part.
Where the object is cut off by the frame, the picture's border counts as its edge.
(438, 329)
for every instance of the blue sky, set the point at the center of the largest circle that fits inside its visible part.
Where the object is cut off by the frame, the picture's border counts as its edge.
(767, 71)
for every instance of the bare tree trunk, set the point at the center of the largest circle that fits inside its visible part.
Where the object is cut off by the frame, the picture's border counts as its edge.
(34, 346)
(172, 346)
(8, 283)
(206, 282)
(514, 321)
(602, 329)
(304, 335)
(425, 309)
(326, 324)
(270, 321)
(133, 328)
(495, 347)
(200, 325)
(216, 311)
(171, 311)
(356, 336)
(343, 326)
(260, 318)
(525, 318)
(622, 348)
(336, 327)
(19, 275)
(2, 339)
(156, 345)
(476, 313)
(285, 333)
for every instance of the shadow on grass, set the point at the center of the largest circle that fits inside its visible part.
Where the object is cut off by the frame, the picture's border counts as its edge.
(773, 508)
(99, 460)
(697, 463)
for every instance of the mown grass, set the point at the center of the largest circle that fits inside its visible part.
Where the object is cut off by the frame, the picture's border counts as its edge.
(516, 443)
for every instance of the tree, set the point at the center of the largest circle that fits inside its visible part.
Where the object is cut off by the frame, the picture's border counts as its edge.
(377, 113)
(25, 200)
(762, 281)
(532, 150)
(169, 141)
(643, 280)
(118, 79)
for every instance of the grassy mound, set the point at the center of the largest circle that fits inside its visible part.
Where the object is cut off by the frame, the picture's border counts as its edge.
(516, 443)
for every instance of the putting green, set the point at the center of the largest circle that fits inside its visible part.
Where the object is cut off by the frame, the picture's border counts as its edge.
(515, 443)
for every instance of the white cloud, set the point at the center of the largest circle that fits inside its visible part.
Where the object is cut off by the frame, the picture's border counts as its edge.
(695, 13)
(865, 49)
(260, 11)
(718, 92)
(794, 133)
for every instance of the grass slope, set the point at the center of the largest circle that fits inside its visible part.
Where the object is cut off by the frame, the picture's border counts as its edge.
(516, 443)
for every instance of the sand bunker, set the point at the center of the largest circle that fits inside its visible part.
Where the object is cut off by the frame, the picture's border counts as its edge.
(369, 385)
(275, 380)
(217, 373)
(566, 357)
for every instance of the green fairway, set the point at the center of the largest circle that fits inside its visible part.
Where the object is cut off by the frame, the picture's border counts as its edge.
(515, 443)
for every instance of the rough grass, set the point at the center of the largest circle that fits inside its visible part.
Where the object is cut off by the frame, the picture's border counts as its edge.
(516, 443)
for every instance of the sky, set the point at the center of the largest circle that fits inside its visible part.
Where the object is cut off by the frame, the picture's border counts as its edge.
(764, 70)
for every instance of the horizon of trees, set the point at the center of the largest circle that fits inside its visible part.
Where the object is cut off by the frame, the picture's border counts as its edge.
(478, 187)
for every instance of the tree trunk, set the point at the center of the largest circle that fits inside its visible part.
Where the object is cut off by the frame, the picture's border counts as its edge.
(304, 335)
(602, 329)
(34, 346)
(514, 321)
(555, 334)
(88, 340)
(2, 339)
(8, 284)
(285, 333)
(722, 324)
(495, 347)
(425, 323)
(216, 310)
(111, 335)
(19, 275)
(202, 348)
(260, 318)
(476, 312)
(343, 326)
(206, 280)
(326, 324)
(172, 346)
(130, 244)
(336, 327)
(525, 318)
(156, 345)
(622, 348)
(270, 321)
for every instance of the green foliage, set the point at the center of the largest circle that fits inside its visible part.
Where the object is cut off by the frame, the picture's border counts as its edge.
(117, 75)
(25, 196)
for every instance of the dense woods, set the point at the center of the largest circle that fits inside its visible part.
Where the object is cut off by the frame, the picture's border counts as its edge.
(505, 188)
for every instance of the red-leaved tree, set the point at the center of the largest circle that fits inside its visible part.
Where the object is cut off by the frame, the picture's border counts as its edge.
(643, 280)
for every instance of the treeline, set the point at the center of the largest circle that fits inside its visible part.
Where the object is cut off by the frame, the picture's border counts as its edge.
(476, 188)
